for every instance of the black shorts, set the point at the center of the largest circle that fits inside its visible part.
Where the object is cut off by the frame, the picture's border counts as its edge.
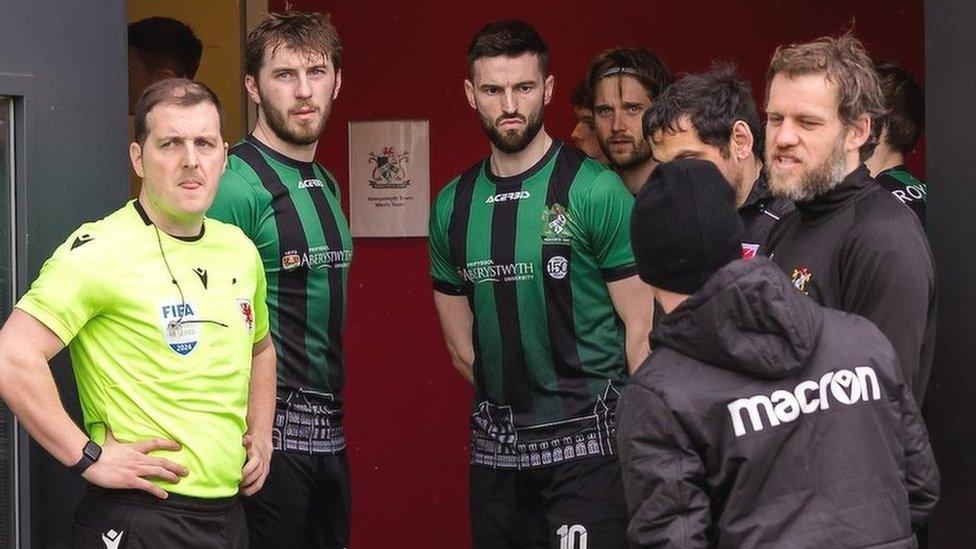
(132, 519)
(576, 505)
(305, 502)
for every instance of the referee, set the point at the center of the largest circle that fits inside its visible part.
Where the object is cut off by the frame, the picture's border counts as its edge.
(164, 315)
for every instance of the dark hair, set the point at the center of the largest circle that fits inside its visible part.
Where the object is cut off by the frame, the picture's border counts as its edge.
(843, 61)
(713, 101)
(582, 96)
(509, 38)
(173, 91)
(639, 63)
(904, 101)
(304, 32)
(166, 43)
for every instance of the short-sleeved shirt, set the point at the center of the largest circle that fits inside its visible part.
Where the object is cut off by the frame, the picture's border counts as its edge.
(292, 212)
(153, 358)
(533, 253)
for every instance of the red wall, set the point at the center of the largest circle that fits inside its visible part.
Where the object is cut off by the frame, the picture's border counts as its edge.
(407, 408)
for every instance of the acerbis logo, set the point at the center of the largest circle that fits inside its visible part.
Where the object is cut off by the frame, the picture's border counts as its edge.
(557, 267)
(844, 386)
(505, 197)
(310, 183)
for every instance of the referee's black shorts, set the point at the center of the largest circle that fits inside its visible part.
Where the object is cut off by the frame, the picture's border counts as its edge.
(133, 519)
(305, 503)
(576, 505)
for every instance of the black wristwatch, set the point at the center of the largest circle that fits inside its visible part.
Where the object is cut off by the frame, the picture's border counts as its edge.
(89, 455)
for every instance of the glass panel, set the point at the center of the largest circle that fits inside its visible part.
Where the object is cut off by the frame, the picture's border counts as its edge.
(7, 427)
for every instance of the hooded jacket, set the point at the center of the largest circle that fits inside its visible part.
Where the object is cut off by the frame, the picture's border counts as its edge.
(762, 419)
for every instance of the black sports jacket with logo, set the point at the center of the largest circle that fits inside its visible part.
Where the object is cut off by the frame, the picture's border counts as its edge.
(762, 419)
(759, 213)
(858, 249)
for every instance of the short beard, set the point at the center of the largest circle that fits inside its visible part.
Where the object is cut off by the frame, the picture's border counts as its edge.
(638, 156)
(278, 122)
(819, 180)
(506, 142)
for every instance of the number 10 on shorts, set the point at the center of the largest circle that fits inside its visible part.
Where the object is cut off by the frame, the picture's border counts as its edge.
(572, 537)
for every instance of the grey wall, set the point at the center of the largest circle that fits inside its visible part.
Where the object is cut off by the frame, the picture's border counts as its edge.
(65, 61)
(950, 83)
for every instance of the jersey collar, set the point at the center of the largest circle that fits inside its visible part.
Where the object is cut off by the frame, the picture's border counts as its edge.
(145, 219)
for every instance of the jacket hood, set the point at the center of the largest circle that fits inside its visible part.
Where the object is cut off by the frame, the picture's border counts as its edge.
(749, 319)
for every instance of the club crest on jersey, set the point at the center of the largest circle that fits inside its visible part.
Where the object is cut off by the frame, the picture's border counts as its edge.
(247, 313)
(389, 168)
(291, 260)
(749, 251)
(557, 225)
(181, 336)
(801, 276)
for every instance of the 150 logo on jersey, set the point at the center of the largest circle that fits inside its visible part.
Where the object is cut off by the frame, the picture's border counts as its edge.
(179, 332)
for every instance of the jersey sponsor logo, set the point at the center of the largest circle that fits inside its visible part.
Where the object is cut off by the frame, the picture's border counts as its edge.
(389, 168)
(180, 334)
(911, 193)
(572, 536)
(319, 257)
(557, 267)
(488, 271)
(556, 225)
(310, 183)
(801, 276)
(247, 313)
(112, 539)
(505, 197)
(749, 251)
(291, 260)
(842, 386)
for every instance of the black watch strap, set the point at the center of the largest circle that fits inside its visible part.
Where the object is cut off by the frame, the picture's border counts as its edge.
(89, 455)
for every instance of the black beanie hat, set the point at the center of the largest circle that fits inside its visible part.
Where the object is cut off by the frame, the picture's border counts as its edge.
(685, 226)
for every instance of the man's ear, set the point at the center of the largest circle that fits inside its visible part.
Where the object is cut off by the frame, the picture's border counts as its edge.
(550, 85)
(135, 157)
(858, 133)
(338, 84)
(469, 93)
(251, 85)
(741, 140)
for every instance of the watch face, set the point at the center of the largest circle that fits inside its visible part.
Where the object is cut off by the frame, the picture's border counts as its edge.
(92, 451)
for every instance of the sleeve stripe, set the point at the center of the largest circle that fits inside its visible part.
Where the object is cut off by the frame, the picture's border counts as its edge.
(448, 288)
(619, 273)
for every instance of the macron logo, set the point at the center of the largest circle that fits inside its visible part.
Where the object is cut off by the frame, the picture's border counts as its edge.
(842, 386)
(111, 539)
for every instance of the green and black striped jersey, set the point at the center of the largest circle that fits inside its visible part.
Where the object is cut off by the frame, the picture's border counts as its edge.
(291, 211)
(533, 253)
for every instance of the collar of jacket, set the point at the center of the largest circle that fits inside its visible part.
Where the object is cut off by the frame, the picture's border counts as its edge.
(850, 189)
(759, 195)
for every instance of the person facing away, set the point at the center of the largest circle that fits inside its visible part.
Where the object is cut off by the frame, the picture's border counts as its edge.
(761, 419)
(898, 131)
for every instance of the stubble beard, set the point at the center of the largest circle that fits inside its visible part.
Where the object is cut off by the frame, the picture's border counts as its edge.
(301, 134)
(637, 155)
(511, 142)
(815, 182)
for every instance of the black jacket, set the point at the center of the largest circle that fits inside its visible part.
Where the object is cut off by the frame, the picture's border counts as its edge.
(857, 249)
(759, 213)
(764, 420)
